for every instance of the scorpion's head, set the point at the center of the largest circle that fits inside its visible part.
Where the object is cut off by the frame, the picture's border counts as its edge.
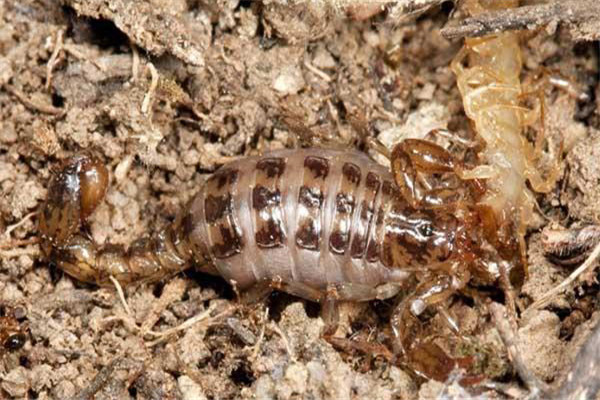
(471, 237)
(428, 238)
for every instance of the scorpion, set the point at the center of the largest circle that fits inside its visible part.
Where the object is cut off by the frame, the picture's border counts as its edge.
(321, 224)
(330, 225)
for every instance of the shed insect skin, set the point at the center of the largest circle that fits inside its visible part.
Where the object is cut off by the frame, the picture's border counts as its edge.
(488, 73)
(324, 225)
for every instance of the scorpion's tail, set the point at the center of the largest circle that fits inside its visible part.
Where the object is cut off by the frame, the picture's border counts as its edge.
(73, 195)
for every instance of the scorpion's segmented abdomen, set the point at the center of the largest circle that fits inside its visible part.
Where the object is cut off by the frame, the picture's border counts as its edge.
(313, 216)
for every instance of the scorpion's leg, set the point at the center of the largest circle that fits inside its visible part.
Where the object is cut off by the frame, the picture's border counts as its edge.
(352, 292)
(319, 137)
(412, 156)
(330, 314)
(424, 356)
(436, 290)
(359, 293)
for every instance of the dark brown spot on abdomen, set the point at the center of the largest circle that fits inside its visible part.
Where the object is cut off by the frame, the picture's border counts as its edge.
(310, 197)
(318, 166)
(230, 242)
(217, 207)
(223, 231)
(266, 203)
(272, 167)
(263, 198)
(310, 202)
(344, 209)
(351, 173)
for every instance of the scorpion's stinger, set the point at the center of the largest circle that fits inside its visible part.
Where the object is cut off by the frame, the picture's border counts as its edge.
(73, 195)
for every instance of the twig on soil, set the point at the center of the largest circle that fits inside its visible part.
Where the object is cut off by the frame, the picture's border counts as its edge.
(33, 105)
(144, 330)
(508, 336)
(189, 322)
(261, 336)
(288, 348)
(334, 115)
(589, 263)
(135, 64)
(526, 17)
(121, 294)
(72, 50)
(58, 45)
(12, 246)
(164, 335)
(172, 291)
(509, 295)
(317, 71)
(147, 103)
(69, 299)
(12, 227)
(398, 9)
(240, 331)
(99, 381)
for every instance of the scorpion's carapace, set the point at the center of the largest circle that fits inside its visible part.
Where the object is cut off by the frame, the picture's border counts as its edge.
(325, 225)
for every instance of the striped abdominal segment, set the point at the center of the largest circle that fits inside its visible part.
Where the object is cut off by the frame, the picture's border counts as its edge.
(312, 216)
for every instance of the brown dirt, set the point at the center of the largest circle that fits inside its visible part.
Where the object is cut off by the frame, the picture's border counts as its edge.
(230, 74)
